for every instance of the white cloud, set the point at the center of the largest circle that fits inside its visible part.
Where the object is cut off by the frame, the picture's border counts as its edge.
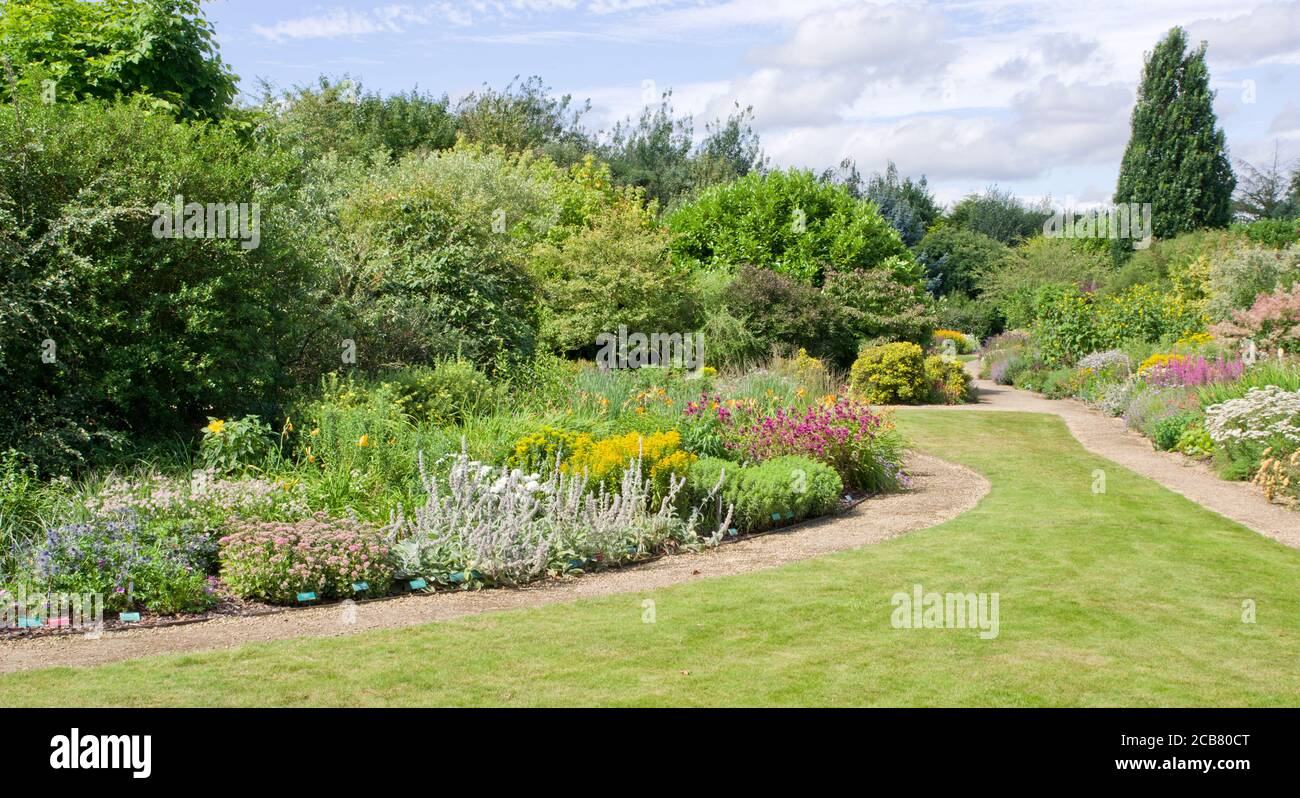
(1266, 32)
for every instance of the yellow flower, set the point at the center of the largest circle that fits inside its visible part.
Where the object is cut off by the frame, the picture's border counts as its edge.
(316, 432)
(288, 425)
(364, 441)
(215, 426)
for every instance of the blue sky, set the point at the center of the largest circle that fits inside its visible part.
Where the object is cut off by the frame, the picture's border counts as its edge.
(1034, 97)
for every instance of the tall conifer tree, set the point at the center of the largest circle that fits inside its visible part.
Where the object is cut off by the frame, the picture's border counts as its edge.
(1177, 157)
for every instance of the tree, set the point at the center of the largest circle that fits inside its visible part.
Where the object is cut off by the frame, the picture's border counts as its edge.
(654, 153)
(956, 260)
(1265, 193)
(907, 206)
(790, 222)
(337, 116)
(116, 48)
(1000, 215)
(525, 116)
(1176, 157)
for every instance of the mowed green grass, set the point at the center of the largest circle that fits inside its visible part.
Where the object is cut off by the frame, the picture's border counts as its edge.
(1129, 597)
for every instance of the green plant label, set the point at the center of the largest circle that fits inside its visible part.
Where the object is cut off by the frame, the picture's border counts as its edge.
(308, 596)
(28, 623)
(420, 584)
(129, 617)
(360, 587)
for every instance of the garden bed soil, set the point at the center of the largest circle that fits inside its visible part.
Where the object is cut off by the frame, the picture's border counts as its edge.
(940, 491)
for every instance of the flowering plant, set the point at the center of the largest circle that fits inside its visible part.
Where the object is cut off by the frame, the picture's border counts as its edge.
(274, 561)
(1194, 371)
(504, 526)
(1263, 416)
(861, 445)
(126, 562)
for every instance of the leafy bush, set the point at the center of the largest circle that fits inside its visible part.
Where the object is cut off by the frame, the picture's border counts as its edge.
(166, 50)
(980, 317)
(615, 272)
(1038, 267)
(956, 260)
(861, 445)
(789, 222)
(949, 382)
(126, 561)
(1168, 432)
(145, 333)
(1275, 233)
(874, 306)
(444, 394)
(890, 374)
(779, 491)
(273, 562)
(229, 446)
(1072, 324)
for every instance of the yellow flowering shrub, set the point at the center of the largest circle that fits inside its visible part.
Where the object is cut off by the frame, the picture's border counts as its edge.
(604, 460)
(1160, 359)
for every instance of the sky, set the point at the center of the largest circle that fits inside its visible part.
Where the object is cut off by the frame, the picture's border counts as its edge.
(1030, 96)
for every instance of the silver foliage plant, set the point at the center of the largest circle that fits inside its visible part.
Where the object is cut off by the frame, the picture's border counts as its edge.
(511, 527)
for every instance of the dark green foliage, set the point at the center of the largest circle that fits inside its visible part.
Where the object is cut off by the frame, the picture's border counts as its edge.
(956, 259)
(149, 333)
(999, 215)
(780, 491)
(1177, 155)
(872, 305)
(778, 310)
(658, 152)
(116, 48)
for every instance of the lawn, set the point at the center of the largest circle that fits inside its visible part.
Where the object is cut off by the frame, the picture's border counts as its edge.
(1133, 596)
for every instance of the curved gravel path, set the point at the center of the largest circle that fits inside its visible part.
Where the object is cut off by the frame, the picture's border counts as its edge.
(940, 491)
(1102, 435)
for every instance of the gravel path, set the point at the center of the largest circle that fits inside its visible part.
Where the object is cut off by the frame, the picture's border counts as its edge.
(941, 491)
(1108, 437)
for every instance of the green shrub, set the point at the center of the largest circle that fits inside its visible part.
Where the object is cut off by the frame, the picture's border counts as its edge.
(949, 382)
(891, 374)
(444, 394)
(1275, 233)
(146, 334)
(789, 222)
(616, 272)
(230, 446)
(1167, 433)
(956, 260)
(776, 492)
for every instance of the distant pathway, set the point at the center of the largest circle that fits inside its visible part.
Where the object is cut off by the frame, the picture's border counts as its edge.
(1102, 435)
(940, 491)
